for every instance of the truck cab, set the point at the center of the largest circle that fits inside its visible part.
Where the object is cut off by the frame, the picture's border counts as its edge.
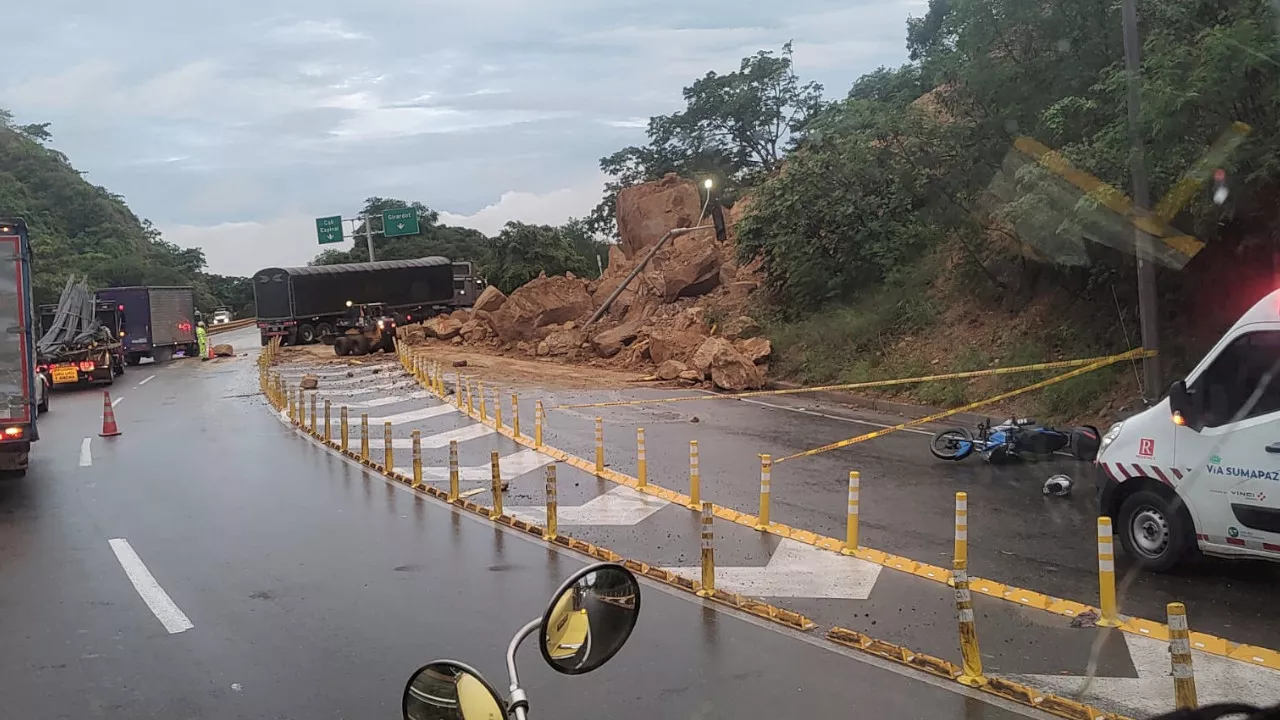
(1201, 468)
(21, 387)
(221, 316)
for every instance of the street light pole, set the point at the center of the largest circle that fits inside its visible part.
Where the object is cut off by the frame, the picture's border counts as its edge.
(368, 234)
(1147, 315)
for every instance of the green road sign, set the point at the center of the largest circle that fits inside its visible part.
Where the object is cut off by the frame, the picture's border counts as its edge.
(400, 221)
(329, 229)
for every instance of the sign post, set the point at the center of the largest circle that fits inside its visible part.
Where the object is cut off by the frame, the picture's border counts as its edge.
(399, 221)
(329, 229)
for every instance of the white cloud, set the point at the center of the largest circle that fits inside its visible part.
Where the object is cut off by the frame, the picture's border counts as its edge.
(242, 248)
(316, 31)
(552, 208)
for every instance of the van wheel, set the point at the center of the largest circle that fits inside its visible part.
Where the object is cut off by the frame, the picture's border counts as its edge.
(1155, 533)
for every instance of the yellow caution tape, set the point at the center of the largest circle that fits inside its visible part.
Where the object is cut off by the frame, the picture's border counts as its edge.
(1056, 365)
(1132, 354)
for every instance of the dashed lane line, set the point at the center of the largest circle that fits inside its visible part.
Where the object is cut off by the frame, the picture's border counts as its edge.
(148, 379)
(162, 606)
(86, 457)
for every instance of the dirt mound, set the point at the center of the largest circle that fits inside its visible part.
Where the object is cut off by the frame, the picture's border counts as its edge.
(661, 320)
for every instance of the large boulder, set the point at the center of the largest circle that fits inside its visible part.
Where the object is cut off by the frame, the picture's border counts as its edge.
(309, 382)
(740, 327)
(671, 369)
(490, 300)
(442, 327)
(667, 345)
(224, 350)
(610, 342)
(563, 342)
(540, 302)
(474, 331)
(756, 349)
(461, 315)
(411, 334)
(731, 370)
(648, 211)
(690, 318)
(711, 348)
(688, 267)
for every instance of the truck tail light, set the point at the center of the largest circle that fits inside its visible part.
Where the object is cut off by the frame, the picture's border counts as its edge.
(14, 432)
(87, 366)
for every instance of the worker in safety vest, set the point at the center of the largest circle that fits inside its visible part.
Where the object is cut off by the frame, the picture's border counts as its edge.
(202, 335)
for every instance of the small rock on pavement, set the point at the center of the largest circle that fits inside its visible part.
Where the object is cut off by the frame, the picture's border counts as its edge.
(459, 363)
(694, 419)
(350, 374)
(375, 371)
(309, 382)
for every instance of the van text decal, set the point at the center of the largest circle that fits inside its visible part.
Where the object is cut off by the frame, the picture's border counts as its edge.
(1239, 472)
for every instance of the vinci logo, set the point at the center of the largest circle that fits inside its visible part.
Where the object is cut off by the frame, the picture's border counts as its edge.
(1147, 447)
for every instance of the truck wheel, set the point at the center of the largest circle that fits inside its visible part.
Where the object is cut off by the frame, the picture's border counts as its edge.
(43, 406)
(324, 332)
(132, 360)
(265, 340)
(1155, 530)
(306, 334)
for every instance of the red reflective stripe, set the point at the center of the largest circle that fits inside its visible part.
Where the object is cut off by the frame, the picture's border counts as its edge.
(1235, 541)
(1163, 479)
(1124, 470)
(1176, 473)
(1138, 469)
(1271, 546)
(1200, 536)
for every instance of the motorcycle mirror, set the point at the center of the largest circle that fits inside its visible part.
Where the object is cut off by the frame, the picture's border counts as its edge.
(448, 689)
(589, 618)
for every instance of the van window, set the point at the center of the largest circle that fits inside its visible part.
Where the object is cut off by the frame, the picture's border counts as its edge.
(1242, 382)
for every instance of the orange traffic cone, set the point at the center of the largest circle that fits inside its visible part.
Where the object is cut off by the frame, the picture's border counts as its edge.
(109, 427)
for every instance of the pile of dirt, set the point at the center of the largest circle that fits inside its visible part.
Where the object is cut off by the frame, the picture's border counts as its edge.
(680, 319)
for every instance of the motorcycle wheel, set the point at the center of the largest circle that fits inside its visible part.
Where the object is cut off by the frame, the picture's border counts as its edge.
(954, 444)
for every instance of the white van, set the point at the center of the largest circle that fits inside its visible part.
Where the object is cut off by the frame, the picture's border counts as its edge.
(1201, 468)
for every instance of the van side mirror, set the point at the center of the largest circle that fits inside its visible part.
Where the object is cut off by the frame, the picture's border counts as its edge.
(1180, 404)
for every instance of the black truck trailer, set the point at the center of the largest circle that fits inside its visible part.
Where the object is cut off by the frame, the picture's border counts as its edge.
(302, 304)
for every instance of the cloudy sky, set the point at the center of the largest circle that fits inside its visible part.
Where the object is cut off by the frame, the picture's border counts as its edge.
(233, 124)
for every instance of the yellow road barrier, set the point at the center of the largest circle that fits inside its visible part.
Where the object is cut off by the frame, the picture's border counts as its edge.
(1132, 354)
(417, 459)
(328, 423)
(599, 446)
(1055, 365)
(1110, 617)
(766, 470)
(484, 412)
(642, 463)
(497, 483)
(1184, 681)
(453, 471)
(343, 427)
(961, 551)
(695, 478)
(497, 410)
(313, 413)
(708, 586)
(388, 453)
(538, 416)
(851, 519)
(515, 414)
(364, 436)
(971, 658)
(553, 523)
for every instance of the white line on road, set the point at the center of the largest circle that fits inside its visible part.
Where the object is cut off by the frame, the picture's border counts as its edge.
(86, 458)
(147, 380)
(152, 594)
(116, 401)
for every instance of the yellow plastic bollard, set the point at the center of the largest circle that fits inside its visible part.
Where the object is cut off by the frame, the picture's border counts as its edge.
(328, 423)
(458, 390)
(851, 520)
(497, 410)
(364, 436)
(549, 533)
(293, 410)
(417, 459)
(642, 463)
(515, 415)
(1106, 576)
(971, 672)
(599, 446)
(961, 551)
(484, 412)
(537, 424)
(766, 471)
(695, 478)
(708, 586)
(388, 454)
(1184, 680)
(497, 484)
(471, 403)
(342, 427)
(453, 471)
(313, 414)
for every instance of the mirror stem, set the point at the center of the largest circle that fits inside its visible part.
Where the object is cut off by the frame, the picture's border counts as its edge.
(519, 702)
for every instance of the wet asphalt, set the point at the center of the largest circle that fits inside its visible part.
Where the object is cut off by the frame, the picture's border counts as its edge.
(315, 589)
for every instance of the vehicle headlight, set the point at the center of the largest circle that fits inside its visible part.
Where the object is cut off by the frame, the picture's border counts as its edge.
(1110, 437)
(381, 325)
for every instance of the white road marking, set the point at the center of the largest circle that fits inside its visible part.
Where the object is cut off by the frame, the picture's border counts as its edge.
(86, 458)
(797, 570)
(389, 400)
(619, 506)
(148, 379)
(1218, 679)
(512, 466)
(409, 415)
(152, 594)
(116, 401)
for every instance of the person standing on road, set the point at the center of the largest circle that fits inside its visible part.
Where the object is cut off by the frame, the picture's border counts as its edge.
(202, 336)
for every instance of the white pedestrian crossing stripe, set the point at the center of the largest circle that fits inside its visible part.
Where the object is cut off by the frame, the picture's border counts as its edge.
(619, 506)
(511, 467)
(797, 570)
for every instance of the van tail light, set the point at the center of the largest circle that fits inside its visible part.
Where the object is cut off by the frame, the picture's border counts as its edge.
(14, 432)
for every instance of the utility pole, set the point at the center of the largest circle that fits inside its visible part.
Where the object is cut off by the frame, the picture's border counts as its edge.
(1147, 315)
(368, 234)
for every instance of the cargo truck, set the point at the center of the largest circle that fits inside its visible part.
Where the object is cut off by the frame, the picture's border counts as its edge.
(93, 357)
(156, 321)
(19, 383)
(302, 305)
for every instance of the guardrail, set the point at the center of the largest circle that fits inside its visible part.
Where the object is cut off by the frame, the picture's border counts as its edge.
(233, 325)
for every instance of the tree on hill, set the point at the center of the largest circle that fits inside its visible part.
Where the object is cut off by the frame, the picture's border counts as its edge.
(521, 252)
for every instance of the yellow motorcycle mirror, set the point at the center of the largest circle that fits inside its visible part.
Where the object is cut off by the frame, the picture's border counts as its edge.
(589, 618)
(448, 690)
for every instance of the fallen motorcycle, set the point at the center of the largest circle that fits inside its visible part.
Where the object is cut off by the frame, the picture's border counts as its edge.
(1015, 439)
(585, 624)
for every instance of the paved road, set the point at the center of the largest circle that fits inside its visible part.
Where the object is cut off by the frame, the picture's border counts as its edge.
(288, 583)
